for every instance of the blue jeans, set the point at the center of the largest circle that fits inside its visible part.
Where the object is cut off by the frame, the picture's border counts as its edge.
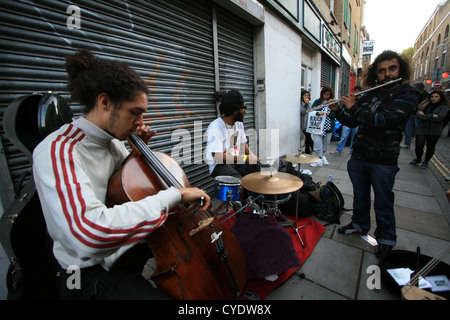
(381, 178)
(345, 133)
(411, 124)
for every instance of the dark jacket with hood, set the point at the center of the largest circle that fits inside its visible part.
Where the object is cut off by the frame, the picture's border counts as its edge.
(381, 117)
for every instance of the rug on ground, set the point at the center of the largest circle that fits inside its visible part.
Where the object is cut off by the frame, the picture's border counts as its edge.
(270, 249)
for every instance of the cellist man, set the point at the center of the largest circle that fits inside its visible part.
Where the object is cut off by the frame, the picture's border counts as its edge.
(72, 167)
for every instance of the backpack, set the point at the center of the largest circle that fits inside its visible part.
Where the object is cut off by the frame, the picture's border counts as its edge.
(303, 198)
(331, 203)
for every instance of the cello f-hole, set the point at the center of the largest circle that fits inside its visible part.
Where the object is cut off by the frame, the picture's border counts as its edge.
(185, 257)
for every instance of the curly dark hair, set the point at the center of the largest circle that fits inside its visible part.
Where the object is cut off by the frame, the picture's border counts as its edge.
(89, 76)
(370, 77)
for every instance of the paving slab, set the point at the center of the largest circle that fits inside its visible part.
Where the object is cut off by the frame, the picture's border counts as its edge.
(335, 266)
(413, 185)
(417, 201)
(371, 288)
(296, 288)
(421, 222)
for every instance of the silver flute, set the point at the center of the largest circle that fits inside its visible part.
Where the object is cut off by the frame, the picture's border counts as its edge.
(356, 94)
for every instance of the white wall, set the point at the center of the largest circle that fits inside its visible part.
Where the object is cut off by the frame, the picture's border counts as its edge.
(281, 108)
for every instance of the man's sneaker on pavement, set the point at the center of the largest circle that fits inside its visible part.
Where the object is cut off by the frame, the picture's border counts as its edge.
(349, 229)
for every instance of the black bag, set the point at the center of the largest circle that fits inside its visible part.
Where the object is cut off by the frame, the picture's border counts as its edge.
(23, 234)
(306, 202)
(23, 231)
(331, 203)
(306, 205)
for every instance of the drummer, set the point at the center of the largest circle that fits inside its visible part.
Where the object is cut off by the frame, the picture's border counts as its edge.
(227, 151)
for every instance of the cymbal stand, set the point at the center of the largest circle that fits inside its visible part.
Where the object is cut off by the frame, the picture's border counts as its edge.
(298, 164)
(298, 234)
(236, 205)
(298, 191)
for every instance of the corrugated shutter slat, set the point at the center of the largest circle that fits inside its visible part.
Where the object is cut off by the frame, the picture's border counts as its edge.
(168, 42)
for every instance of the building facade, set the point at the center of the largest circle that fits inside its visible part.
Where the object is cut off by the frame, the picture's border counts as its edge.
(348, 16)
(189, 53)
(430, 62)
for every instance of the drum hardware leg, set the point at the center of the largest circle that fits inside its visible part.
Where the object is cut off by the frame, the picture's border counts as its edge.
(265, 209)
(271, 208)
(236, 205)
(261, 211)
(250, 201)
(298, 234)
(216, 213)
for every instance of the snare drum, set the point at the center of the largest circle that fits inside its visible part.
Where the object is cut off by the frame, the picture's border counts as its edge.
(227, 188)
(271, 198)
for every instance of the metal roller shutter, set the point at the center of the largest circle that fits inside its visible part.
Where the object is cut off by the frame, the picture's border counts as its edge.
(345, 82)
(235, 39)
(328, 77)
(168, 42)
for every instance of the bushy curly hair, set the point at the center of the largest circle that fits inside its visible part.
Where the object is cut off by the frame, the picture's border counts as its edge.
(370, 78)
(89, 77)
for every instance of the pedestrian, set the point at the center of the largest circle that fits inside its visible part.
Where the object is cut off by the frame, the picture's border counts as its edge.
(447, 118)
(322, 140)
(227, 151)
(380, 114)
(72, 167)
(412, 122)
(304, 107)
(431, 118)
(348, 132)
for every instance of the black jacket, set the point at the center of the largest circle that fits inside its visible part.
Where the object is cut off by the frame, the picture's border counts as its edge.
(430, 125)
(381, 116)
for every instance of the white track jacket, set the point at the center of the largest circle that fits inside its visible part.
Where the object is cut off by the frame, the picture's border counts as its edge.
(72, 167)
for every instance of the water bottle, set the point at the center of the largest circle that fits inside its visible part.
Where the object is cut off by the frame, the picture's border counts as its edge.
(330, 178)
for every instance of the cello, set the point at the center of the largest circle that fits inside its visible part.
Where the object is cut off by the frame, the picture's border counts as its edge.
(196, 258)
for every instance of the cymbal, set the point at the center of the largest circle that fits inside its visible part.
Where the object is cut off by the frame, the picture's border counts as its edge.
(301, 158)
(266, 183)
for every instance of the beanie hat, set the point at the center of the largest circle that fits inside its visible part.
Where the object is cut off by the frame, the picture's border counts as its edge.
(232, 97)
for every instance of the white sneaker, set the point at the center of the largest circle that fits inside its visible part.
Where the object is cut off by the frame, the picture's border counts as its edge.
(325, 161)
(317, 164)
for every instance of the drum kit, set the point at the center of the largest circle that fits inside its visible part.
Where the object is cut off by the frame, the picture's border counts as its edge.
(267, 189)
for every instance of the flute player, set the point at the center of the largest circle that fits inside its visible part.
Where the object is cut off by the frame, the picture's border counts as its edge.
(380, 115)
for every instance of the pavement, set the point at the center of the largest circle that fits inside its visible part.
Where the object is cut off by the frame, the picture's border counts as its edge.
(339, 266)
